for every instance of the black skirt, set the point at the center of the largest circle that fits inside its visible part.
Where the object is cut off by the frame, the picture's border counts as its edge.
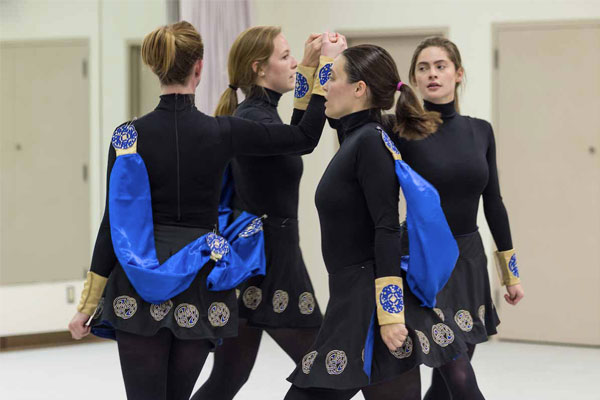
(336, 360)
(196, 313)
(284, 297)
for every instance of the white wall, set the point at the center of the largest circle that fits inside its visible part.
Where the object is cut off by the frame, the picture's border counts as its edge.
(108, 25)
(469, 25)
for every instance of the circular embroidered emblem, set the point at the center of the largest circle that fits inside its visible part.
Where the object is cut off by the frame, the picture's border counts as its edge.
(306, 303)
(423, 341)
(388, 142)
(218, 314)
(481, 313)
(440, 314)
(125, 307)
(253, 227)
(324, 74)
(124, 136)
(336, 362)
(464, 320)
(301, 86)
(252, 297)
(442, 334)
(391, 299)
(512, 266)
(308, 361)
(99, 309)
(280, 301)
(405, 351)
(160, 311)
(218, 246)
(186, 315)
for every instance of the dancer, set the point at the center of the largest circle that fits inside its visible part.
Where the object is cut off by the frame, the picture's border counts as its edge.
(459, 160)
(162, 347)
(282, 303)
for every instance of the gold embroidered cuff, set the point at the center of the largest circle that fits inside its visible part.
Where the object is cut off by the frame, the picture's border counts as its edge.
(323, 74)
(92, 292)
(508, 271)
(389, 297)
(305, 78)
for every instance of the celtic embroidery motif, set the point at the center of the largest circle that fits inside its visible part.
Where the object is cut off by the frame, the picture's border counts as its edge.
(423, 341)
(218, 246)
(160, 311)
(306, 303)
(405, 350)
(442, 334)
(124, 137)
(254, 227)
(125, 307)
(336, 362)
(186, 315)
(252, 297)
(464, 320)
(99, 309)
(481, 313)
(308, 361)
(440, 314)
(301, 86)
(388, 142)
(391, 299)
(512, 266)
(218, 314)
(324, 74)
(280, 301)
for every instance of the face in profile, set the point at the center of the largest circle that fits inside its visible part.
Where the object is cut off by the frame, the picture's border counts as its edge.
(436, 76)
(280, 69)
(340, 94)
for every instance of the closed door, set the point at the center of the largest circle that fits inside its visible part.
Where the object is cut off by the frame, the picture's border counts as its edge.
(144, 87)
(44, 204)
(547, 120)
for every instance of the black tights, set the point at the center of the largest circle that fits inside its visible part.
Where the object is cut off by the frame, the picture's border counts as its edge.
(160, 367)
(455, 380)
(235, 359)
(405, 387)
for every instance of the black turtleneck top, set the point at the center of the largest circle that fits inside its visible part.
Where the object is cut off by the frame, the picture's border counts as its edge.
(357, 200)
(186, 152)
(459, 160)
(267, 185)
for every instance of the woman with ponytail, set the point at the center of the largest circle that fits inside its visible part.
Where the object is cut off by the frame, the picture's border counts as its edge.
(282, 303)
(459, 160)
(376, 332)
(162, 280)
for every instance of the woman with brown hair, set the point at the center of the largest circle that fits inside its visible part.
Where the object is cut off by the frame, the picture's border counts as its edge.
(162, 346)
(459, 160)
(282, 303)
(375, 333)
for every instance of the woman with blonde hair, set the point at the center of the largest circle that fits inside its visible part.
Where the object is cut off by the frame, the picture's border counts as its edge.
(157, 247)
(282, 303)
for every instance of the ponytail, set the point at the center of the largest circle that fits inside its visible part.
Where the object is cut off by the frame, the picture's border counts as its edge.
(412, 120)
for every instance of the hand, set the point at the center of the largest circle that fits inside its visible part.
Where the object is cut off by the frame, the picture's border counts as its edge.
(77, 325)
(515, 294)
(333, 44)
(394, 335)
(312, 50)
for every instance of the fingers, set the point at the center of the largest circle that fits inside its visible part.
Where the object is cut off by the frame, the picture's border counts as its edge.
(78, 331)
(313, 36)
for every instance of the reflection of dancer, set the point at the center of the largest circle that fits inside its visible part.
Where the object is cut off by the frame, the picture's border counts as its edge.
(282, 303)
(162, 347)
(357, 201)
(460, 161)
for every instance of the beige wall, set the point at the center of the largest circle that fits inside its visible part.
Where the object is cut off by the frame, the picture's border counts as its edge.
(469, 25)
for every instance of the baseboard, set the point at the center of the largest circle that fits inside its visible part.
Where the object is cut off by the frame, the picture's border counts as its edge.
(42, 340)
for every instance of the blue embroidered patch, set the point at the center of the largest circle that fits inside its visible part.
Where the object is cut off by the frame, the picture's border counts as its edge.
(124, 137)
(253, 227)
(218, 246)
(388, 142)
(324, 74)
(301, 86)
(512, 266)
(391, 299)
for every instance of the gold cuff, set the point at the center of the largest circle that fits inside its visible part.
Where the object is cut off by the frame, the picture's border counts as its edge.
(92, 292)
(305, 78)
(508, 271)
(389, 297)
(323, 74)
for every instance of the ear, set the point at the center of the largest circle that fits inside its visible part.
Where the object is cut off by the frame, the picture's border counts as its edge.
(360, 89)
(256, 67)
(198, 68)
(459, 75)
